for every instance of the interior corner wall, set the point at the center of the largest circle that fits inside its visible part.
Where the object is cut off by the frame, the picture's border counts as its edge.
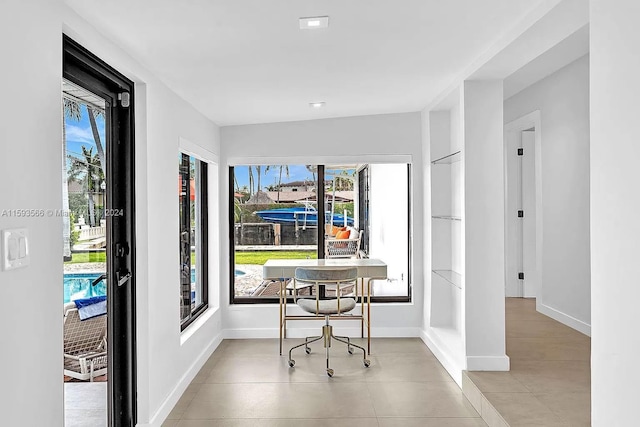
(30, 178)
(355, 139)
(615, 201)
(563, 101)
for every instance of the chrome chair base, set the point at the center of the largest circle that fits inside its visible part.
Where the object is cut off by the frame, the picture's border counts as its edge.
(327, 336)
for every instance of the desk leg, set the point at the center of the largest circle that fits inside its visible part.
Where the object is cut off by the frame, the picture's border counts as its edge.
(280, 324)
(361, 306)
(369, 316)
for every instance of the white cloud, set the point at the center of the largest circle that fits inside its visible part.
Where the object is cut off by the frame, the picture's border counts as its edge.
(78, 134)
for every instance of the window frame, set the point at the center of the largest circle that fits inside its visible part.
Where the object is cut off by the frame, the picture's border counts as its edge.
(202, 251)
(233, 300)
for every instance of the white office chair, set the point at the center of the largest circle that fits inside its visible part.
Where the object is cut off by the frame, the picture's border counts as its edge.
(340, 278)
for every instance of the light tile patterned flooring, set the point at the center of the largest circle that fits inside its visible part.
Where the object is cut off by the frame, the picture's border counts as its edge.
(550, 379)
(246, 383)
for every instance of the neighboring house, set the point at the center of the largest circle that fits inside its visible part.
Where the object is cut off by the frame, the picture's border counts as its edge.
(298, 186)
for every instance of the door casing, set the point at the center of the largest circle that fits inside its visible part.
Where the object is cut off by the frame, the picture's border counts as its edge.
(88, 71)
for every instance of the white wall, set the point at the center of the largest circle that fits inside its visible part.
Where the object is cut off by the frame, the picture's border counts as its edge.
(563, 101)
(483, 233)
(615, 200)
(31, 135)
(367, 139)
(389, 241)
(30, 178)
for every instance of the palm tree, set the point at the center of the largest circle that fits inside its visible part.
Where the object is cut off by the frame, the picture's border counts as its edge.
(250, 181)
(88, 171)
(259, 172)
(93, 113)
(313, 169)
(280, 167)
(70, 109)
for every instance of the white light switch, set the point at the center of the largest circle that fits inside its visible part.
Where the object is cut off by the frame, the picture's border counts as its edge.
(15, 248)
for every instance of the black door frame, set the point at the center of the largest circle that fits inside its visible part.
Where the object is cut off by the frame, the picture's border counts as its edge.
(88, 71)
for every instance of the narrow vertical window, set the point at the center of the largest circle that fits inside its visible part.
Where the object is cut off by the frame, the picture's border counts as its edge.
(192, 180)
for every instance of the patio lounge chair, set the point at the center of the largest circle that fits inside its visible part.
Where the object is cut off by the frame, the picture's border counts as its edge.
(343, 248)
(85, 345)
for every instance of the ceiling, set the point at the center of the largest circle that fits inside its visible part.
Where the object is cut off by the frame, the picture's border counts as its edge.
(560, 55)
(247, 61)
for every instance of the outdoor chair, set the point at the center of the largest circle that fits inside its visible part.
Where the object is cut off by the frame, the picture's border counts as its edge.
(341, 279)
(343, 248)
(274, 287)
(85, 345)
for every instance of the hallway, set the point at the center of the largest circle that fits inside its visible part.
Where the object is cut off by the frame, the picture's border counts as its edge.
(550, 379)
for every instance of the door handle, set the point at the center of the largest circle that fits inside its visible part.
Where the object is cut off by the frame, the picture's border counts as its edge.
(123, 279)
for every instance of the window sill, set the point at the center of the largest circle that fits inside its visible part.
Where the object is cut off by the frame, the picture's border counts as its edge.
(196, 325)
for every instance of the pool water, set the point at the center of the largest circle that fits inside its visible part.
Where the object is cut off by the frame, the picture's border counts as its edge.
(78, 285)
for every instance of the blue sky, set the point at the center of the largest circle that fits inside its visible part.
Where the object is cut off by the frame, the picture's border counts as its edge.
(79, 133)
(296, 173)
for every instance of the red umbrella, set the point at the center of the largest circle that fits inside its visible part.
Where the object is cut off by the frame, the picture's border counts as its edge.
(192, 190)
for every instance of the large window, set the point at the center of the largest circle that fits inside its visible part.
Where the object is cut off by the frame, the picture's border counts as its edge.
(192, 181)
(274, 214)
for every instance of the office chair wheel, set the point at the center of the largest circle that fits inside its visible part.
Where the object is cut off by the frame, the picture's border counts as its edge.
(292, 363)
(330, 372)
(350, 350)
(307, 350)
(367, 363)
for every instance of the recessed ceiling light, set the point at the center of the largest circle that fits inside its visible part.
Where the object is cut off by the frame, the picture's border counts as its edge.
(316, 104)
(314, 22)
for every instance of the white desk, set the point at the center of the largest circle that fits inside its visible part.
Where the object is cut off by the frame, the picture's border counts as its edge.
(275, 269)
(278, 269)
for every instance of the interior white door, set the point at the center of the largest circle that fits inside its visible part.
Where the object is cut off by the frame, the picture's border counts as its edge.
(528, 223)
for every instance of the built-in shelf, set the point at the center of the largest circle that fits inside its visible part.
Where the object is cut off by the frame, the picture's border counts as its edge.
(450, 276)
(448, 159)
(447, 217)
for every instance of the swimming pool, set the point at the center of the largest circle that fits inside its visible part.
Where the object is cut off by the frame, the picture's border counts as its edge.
(78, 285)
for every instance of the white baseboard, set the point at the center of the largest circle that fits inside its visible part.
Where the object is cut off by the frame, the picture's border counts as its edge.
(565, 319)
(488, 363)
(167, 405)
(298, 332)
(443, 355)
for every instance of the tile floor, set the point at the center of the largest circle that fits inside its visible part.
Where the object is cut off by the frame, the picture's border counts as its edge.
(85, 404)
(550, 379)
(246, 383)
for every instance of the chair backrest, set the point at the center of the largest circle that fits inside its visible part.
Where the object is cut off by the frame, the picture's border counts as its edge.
(326, 275)
(83, 336)
(336, 279)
